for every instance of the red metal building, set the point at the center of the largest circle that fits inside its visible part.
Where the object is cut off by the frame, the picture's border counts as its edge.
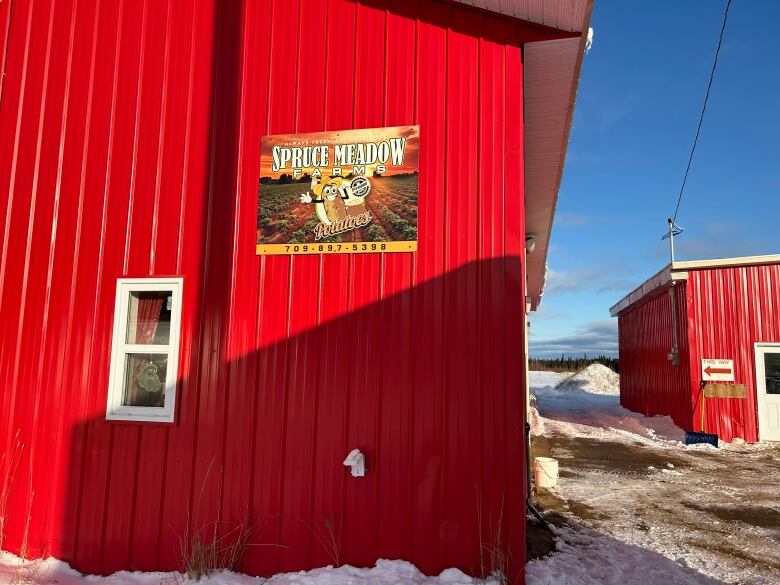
(700, 342)
(130, 137)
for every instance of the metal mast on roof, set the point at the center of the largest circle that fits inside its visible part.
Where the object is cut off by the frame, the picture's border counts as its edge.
(674, 230)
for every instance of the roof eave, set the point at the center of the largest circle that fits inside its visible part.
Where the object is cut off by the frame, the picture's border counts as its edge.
(662, 279)
(673, 273)
(537, 260)
(551, 72)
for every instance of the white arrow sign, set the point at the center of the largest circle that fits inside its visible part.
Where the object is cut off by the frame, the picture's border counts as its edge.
(715, 370)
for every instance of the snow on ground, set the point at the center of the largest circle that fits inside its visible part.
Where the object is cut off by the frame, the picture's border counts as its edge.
(588, 557)
(635, 505)
(49, 571)
(575, 405)
(595, 379)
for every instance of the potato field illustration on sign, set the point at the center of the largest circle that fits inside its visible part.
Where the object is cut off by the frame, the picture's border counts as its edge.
(350, 191)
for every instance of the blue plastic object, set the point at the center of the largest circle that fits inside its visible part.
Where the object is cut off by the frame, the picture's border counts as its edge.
(694, 438)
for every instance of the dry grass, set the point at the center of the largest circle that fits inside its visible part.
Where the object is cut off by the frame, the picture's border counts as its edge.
(205, 551)
(329, 537)
(9, 462)
(24, 551)
(494, 553)
(28, 573)
(215, 547)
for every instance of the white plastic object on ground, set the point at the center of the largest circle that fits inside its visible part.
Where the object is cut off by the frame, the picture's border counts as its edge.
(545, 472)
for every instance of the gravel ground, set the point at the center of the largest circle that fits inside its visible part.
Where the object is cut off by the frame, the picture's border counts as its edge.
(689, 514)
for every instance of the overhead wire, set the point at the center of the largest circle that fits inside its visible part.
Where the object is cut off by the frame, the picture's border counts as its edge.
(703, 110)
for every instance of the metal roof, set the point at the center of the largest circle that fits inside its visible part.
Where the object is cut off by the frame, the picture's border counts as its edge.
(672, 273)
(551, 73)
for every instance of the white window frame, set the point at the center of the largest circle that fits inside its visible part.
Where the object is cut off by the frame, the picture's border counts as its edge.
(115, 410)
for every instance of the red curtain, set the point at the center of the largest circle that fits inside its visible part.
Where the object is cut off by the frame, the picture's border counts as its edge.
(147, 320)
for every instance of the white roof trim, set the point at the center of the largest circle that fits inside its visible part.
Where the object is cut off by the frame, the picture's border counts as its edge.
(727, 262)
(661, 279)
(673, 273)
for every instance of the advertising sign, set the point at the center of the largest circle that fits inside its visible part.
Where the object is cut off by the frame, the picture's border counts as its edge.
(351, 191)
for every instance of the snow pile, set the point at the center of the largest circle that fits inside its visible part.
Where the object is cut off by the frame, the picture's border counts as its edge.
(572, 410)
(546, 379)
(46, 571)
(596, 379)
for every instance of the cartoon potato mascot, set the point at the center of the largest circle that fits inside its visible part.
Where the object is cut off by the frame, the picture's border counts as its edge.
(356, 191)
(328, 201)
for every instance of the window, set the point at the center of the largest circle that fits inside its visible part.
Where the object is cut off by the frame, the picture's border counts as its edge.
(145, 349)
(772, 372)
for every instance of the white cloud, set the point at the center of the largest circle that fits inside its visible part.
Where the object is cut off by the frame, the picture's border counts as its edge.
(571, 219)
(595, 338)
(602, 279)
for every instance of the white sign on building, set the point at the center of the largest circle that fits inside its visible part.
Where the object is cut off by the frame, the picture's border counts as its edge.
(717, 370)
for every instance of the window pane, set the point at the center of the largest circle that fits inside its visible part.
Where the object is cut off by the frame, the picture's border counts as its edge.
(149, 317)
(145, 379)
(772, 372)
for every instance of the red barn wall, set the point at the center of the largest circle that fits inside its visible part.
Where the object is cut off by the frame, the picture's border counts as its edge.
(130, 147)
(730, 309)
(649, 382)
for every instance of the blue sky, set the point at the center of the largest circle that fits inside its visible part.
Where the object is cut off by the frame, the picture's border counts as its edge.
(639, 100)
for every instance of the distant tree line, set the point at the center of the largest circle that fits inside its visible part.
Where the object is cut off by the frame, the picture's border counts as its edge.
(570, 364)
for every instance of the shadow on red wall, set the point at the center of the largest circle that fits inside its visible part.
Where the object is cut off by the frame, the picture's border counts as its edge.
(443, 445)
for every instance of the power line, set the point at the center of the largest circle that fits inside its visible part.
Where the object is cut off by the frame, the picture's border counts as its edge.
(703, 109)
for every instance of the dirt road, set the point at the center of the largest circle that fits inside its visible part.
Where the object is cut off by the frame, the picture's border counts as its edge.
(690, 514)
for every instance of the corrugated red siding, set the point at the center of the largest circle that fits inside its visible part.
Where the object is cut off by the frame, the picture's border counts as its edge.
(649, 382)
(730, 309)
(130, 146)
